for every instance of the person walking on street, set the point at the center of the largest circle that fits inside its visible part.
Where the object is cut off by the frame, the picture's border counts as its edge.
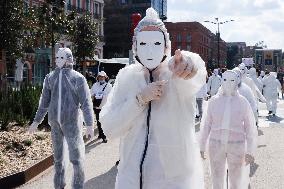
(99, 92)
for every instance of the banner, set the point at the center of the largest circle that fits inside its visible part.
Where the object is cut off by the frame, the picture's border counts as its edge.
(268, 56)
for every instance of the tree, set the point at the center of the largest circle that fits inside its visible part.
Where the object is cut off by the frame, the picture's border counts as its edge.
(85, 38)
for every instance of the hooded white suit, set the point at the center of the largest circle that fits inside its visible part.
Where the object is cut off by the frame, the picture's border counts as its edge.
(214, 82)
(271, 88)
(257, 81)
(172, 159)
(230, 126)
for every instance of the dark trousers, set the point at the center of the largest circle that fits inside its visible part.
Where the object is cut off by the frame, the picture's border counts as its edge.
(101, 132)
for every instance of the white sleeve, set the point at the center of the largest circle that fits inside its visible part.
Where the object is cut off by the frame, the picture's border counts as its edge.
(120, 110)
(93, 90)
(191, 86)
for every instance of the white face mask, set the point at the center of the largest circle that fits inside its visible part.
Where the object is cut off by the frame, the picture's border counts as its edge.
(243, 69)
(150, 48)
(229, 83)
(60, 58)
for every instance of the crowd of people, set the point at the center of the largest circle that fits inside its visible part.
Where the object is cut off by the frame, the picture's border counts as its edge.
(152, 107)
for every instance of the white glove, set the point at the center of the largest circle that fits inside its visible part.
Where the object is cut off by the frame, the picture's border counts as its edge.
(182, 67)
(90, 132)
(33, 128)
(153, 91)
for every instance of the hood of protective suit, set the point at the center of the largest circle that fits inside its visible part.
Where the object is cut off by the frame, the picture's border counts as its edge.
(239, 74)
(262, 73)
(216, 71)
(151, 41)
(243, 68)
(273, 74)
(229, 83)
(64, 57)
(252, 72)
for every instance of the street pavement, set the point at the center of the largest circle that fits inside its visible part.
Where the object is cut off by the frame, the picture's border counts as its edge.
(266, 173)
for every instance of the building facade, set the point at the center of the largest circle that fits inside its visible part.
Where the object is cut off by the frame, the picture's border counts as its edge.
(194, 37)
(268, 59)
(118, 37)
(38, 61)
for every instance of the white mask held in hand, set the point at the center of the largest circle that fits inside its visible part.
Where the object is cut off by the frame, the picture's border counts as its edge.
(63, 56)
(229, 83)
(150, 48)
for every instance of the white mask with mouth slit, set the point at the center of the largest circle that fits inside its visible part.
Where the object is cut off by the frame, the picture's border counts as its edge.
(150, 48)
(229, 83)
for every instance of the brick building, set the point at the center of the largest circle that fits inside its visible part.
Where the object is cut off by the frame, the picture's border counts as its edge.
(194, 37)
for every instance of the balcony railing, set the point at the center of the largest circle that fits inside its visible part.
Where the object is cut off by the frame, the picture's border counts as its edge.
(76, 9)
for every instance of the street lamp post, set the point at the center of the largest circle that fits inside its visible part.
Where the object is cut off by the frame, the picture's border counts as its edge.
(218, 35)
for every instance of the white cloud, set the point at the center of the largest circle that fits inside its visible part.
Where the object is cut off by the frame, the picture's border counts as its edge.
(255, 20)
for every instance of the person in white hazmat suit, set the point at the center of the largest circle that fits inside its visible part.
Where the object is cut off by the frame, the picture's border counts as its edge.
(271, 89)
(214, 83)
(257, 81)
(246, 92)
(230, 126)
(261, 75)
(65, 93)
(151, 108)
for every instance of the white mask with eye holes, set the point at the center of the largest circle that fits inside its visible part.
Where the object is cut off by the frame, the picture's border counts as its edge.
(229, 83)
(243, 68)
(150, 48)
(63, 56)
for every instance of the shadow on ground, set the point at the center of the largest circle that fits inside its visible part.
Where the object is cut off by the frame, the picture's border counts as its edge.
(253, 168)
(104, 181)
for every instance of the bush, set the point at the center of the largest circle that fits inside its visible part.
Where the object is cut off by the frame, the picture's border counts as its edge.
(18, 106)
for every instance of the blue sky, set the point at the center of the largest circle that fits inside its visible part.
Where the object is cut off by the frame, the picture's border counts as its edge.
(255, 20)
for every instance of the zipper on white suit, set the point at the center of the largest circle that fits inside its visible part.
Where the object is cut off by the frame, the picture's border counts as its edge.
(59, 98)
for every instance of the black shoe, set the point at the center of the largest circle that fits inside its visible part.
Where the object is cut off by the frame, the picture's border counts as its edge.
(117, 163)
(270, 112)
(104, 140)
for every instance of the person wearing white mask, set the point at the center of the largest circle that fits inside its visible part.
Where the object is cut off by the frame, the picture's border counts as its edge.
(271, 89)
(246, 92)
(65, 93)
(99, 92)
(151, 109)
(261, 75)
(257, 81)
(214, 82)
(229, 124)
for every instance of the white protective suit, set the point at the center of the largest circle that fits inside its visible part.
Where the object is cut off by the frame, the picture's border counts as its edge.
(271, 89)
(214, 82)
(172, 159)
(257, 81)
(65, 93)
(230, 126)
(261, 75)
(250, 83)
(246, 92)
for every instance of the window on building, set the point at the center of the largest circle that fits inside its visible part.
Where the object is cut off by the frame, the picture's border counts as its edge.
(179, 37)
(26, 6)
(123, 1)
(188, 38)
(96, 8)
(70, 2)
(88, 5)
(78, 3)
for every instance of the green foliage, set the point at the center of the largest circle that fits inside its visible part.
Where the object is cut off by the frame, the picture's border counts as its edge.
(18, 105)
(12, 25)
(85, 37)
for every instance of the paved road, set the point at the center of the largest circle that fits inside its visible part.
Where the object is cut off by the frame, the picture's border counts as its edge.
(266, 173)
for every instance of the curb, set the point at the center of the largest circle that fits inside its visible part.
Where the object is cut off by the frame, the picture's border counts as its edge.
(17, 179)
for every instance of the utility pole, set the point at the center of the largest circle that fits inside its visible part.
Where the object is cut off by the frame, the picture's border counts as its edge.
(218, 36)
